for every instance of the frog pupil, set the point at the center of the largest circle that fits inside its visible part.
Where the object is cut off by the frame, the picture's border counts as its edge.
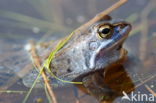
(105, 31)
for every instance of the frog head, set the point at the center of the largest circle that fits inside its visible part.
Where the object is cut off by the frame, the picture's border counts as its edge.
(105, 43)
(100, 45)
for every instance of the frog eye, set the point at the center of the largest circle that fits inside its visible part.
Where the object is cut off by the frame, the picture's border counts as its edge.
(105, 31)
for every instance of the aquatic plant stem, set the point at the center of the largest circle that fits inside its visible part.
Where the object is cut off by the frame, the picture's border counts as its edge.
(33, 85)
(146, 86)
(144, 21)
(101, 15)
(150, 90)
(37, 63)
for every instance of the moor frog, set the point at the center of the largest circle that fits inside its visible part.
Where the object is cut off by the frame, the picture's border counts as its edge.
(86, 52)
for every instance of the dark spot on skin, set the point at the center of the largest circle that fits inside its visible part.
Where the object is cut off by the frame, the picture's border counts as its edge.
(68, 60)
(16, 63)
(90, 30)
(55, 73)
(69, 70)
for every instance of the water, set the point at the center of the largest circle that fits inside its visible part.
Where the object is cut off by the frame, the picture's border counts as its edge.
(22, 20)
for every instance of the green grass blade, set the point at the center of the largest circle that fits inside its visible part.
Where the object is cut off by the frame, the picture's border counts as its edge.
(33, 85)
(32, 21)
(51, 56)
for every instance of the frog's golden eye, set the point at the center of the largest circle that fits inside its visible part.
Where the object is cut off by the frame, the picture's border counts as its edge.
(105, 31)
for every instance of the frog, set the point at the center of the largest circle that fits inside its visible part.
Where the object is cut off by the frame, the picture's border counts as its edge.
(88, 51)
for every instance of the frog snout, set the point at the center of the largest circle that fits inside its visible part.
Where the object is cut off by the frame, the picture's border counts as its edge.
(125, 26)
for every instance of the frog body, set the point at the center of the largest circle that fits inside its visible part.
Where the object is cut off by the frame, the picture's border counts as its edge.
(89, 51)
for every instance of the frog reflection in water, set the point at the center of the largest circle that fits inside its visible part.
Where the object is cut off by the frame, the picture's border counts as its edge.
(89, 51)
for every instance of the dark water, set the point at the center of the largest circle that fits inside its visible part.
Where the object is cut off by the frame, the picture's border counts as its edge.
(22, 20)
